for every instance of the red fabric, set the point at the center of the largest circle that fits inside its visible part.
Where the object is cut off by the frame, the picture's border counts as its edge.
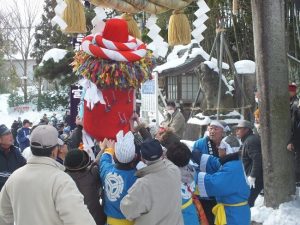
(101, 124)
(116, 30)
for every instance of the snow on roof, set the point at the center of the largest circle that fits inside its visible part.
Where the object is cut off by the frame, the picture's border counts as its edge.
(245, 67)
(230, 118)
(55, 53)
(173, 60)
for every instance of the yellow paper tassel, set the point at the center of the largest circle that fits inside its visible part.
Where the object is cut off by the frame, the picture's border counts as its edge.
(235, 7)
(74, 16)
(133, 28)
(179, 32)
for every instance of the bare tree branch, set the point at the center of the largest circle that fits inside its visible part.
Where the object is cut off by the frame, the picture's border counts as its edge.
(18, 20)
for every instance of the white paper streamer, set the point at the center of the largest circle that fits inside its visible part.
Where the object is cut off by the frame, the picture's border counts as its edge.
(97, 21)
(92, 95)
(158, 46)
(199, 22)
(88, 144)
(58, 18)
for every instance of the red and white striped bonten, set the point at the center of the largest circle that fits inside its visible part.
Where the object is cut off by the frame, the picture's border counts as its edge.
(99, 47)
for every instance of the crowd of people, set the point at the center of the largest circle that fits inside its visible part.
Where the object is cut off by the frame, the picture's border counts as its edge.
(142, 177)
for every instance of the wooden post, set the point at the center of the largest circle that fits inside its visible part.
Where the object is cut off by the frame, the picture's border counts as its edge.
(272, 73)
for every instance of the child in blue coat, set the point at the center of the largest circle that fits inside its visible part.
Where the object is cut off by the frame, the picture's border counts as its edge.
(117, 173)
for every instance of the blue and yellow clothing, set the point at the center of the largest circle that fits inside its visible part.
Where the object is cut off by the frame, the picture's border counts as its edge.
(229, 186)
(116, 183)
(189, 212)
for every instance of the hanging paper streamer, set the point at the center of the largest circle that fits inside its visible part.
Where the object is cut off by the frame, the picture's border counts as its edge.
(199, 22)
(158, 46)
(92, 95)
(58, 18)
(97, 21)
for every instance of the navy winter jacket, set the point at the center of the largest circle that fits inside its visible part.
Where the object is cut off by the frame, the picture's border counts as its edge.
(22, 138)
(9, 162)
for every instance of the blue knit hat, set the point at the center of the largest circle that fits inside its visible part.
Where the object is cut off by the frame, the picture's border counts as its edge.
(4, 130)
(151, 150)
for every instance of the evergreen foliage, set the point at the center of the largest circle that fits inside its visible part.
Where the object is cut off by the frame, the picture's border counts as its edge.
(60, 71)
(48, 36)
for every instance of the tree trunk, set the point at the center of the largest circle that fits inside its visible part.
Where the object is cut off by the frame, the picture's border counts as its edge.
(271, 66)
(25, 77)
(39, 107)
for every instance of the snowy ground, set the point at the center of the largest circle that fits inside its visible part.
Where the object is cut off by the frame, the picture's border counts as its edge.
(287, 213)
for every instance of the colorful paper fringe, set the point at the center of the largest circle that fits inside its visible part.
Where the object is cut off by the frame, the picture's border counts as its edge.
(109, 73)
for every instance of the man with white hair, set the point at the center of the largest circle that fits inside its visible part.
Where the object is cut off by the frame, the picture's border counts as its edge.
(209, 145)
(117, 173)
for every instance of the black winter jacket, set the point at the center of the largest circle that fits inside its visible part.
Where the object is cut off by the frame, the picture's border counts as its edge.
(88, 183)
(76, 137)
(252, 156)
(9, 163)
(295, 120)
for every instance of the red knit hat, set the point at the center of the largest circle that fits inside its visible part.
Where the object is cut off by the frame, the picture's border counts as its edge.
(292, 87)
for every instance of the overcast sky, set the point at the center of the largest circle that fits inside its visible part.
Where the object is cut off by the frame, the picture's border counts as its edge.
(35, 6)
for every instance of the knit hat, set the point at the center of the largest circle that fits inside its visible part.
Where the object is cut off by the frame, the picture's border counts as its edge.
(77, 160)
(151, 150)
(292, 87)
(125, 148)
(4, 130)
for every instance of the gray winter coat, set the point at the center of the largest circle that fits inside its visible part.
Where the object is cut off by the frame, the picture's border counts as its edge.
(177, 122)
(155, 198)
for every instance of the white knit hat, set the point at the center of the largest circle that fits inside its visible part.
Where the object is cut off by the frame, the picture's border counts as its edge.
(125, 148)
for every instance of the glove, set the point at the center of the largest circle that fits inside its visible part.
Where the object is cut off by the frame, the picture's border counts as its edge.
(251, 182)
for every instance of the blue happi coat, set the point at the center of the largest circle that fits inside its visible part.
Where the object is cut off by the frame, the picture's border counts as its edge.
(201, 145)
(189, 213)
(229, 186)
(116, 183)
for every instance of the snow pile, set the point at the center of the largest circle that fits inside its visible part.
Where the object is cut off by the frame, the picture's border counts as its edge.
(231, 118)
(245, 67)
(173, 59)
(287, 213)
(55, 53)
(8, 118)
(199, 119)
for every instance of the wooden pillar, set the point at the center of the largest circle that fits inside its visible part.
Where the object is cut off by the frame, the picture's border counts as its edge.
(272, 74)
